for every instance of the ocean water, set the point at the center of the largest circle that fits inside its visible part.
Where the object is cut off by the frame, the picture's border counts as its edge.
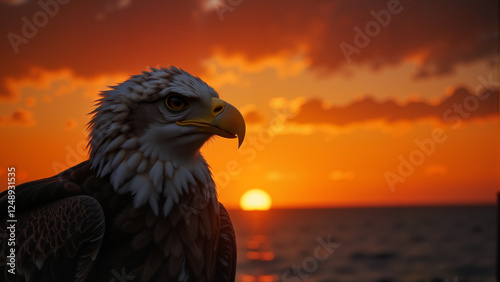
(435, 244)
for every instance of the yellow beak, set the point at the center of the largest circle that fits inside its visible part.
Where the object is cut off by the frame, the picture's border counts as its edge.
(223, 120)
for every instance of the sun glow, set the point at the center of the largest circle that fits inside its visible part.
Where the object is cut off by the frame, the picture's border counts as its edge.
(255, 199)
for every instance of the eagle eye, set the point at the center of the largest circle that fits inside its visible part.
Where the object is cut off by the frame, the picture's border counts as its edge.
(176, 102)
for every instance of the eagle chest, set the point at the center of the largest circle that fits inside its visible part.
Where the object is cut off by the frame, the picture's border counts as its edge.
(159, 248)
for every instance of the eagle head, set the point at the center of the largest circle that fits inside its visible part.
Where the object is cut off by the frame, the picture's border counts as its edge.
(146, 134)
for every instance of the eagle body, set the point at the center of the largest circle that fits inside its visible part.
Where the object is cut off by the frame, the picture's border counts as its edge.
(144, 206)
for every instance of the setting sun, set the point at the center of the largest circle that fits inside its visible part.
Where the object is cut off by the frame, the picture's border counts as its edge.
(255, 199)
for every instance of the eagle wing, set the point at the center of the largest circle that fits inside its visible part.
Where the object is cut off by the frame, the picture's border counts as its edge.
(225, 269)
(58, 231)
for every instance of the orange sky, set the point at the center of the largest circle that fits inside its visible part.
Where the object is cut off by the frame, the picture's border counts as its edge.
(325, 127)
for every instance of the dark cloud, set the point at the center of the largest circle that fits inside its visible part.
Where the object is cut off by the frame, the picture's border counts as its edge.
(459, 106)
(438, 35)
(12, 2)
(19, 117)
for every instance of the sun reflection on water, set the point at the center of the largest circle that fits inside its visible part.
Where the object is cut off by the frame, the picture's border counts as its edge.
(257, 248)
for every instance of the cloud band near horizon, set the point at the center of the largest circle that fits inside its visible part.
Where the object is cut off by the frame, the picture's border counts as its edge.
(455, 108)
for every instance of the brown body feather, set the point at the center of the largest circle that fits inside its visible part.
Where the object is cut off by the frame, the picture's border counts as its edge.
(74, 227)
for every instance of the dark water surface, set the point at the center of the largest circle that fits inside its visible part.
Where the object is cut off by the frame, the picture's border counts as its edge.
(452, 244)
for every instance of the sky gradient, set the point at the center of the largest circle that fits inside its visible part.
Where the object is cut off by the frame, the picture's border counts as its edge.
(347, 103)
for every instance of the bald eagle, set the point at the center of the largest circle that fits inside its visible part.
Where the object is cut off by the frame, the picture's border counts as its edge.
(143, 207)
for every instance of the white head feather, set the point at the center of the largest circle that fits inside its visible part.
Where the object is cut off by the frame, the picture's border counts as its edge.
(133, 140)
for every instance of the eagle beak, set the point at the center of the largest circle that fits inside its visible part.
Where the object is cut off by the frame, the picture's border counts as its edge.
(223, 120)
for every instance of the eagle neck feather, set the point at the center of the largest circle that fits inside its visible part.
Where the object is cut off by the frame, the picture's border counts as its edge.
(160, 183)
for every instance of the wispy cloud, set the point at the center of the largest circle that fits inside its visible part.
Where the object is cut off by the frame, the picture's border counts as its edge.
(112, 6)
(253, 117)
(57, 83)
(338, 175)
(223, 69)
